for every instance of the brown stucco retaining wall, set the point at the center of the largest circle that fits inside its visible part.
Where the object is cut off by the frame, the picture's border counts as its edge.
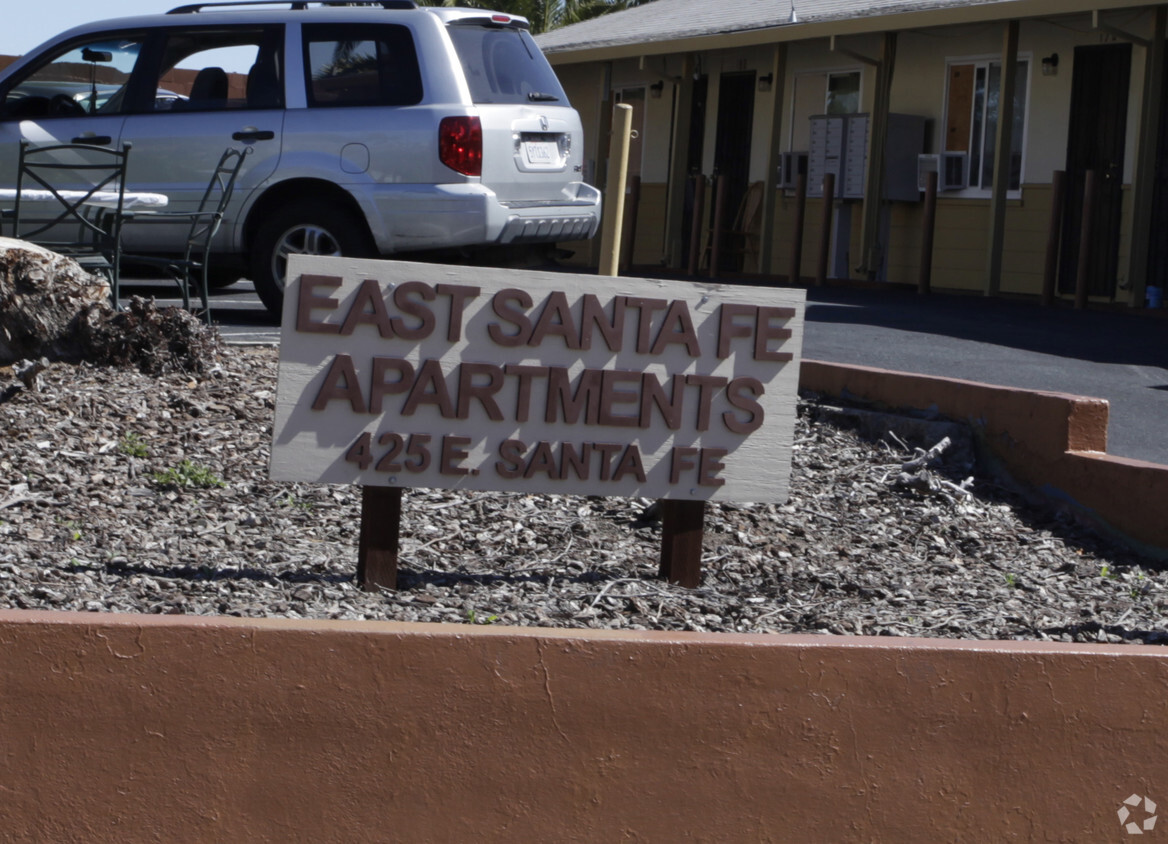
(130, 728)
(1053, 442)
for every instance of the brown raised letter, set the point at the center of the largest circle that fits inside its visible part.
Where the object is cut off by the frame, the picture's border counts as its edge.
(368, 297)
(765, 331)
(458, 294)
(424, 315)
(734, 395)
(484, 393)
(307, 300)
(379, 387)
(500, 304)
(556, 320)
(710, 465)
(728, 328)
(684, 333)
(340, 382)
(452, 455)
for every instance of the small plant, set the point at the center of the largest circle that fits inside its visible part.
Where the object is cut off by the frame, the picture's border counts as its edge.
(298, 503)
(188, 474)
(1140, 587)
(1108, 573)
(1011, 580)
(473, 618)
(73, 528)
(133, 445)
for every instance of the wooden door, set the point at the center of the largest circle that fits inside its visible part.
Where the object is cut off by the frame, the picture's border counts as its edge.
(1157, 272)
(732, 144)
(1095, 141)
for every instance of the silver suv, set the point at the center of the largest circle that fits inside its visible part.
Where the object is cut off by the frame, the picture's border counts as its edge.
(375, 128)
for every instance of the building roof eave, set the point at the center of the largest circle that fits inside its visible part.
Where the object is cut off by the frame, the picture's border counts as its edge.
(867, 24)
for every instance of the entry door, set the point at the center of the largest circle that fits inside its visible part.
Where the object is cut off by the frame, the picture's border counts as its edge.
(732, 145)
(1095, 141)
(693, 164)
(1157, 271)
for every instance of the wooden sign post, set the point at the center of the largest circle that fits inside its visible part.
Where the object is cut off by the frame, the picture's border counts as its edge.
(396, 375)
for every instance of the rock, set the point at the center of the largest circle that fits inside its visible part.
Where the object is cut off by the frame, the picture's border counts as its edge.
(29, 370)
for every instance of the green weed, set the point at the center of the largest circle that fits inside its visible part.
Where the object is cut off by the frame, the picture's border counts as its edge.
(473, 618)
(188, 475)
(133, 445)
(298, 503)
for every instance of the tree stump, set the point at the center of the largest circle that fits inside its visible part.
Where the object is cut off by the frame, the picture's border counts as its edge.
(51, 308)
(42, 296)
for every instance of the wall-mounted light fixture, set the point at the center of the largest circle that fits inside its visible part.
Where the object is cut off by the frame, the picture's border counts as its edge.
(1050, 65)
(656, 88)
(764, 82)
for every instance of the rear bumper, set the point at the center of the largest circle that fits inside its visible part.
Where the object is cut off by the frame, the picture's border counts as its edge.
(417, 217)
(537, 222)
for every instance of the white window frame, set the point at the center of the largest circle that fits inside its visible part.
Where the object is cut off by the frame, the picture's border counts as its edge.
(986, 60)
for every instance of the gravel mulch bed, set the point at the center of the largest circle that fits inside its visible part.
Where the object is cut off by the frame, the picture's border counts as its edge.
(129, 493)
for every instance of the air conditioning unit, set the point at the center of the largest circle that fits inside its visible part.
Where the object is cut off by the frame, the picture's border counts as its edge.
(949, 167)
(791, 165)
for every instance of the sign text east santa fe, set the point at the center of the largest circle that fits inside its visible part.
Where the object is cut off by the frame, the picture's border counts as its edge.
(404, 374)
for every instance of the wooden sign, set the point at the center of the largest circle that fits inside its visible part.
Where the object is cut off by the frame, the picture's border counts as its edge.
(401, 374)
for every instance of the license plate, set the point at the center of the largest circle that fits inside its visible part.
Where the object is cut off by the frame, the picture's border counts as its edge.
(541, 152)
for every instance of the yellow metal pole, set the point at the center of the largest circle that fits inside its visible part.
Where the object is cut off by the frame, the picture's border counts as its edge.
(614, 195)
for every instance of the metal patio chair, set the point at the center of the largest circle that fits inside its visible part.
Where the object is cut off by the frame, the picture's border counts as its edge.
(70, 198)
(204, 223)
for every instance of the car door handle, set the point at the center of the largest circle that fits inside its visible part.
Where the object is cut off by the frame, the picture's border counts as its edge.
(254, 135)
(95, 140)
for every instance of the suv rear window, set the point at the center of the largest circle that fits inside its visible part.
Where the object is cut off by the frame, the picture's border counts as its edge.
(361, 66)
(504, 65)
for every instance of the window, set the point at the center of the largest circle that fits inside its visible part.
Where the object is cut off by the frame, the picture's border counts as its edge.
(831, 92)
(504, 66)
(214, 69)
(361, 66)
(971, 118)
(88, 78)
(843, 93)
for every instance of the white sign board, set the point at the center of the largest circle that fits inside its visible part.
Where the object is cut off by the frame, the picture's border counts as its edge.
(424, 375)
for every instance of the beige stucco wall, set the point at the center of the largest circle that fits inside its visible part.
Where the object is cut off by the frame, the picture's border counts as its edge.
(919, 88)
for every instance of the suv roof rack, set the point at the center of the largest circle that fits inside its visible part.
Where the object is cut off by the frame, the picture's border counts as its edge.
(294, 5)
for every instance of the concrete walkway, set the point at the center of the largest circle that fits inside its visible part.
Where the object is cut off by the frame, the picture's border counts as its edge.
(1118, 355)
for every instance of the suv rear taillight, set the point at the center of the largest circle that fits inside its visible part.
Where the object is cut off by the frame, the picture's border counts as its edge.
(460, 145)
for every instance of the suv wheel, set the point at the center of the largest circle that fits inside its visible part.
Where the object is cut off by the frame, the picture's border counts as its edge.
(302, 228)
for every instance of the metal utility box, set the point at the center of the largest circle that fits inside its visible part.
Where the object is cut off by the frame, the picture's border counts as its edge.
(839, 145)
